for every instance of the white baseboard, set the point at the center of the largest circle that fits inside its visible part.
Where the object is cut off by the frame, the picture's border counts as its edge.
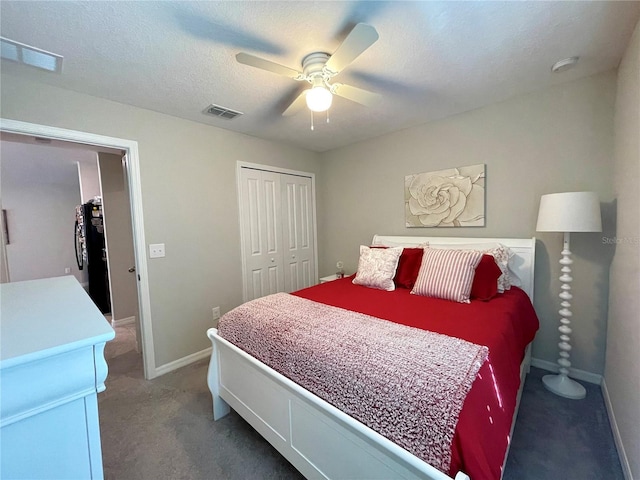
(183, 362)
(123, 321)
(573, 372)
(622, 454)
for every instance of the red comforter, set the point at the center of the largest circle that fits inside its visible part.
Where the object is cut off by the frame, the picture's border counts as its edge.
(505, 324)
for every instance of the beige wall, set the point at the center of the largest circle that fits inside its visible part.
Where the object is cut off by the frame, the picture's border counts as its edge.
(622, 371)
(189, 200)
(558, 139)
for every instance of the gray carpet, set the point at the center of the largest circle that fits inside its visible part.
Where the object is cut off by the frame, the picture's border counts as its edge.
(163, 429)
(559, 438)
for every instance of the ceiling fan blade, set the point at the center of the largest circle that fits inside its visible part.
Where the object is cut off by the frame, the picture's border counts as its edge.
(267, 65)
(298, 104)
(359, 39)
(355, 94)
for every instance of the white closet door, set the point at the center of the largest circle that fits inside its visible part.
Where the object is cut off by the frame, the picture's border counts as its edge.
(262, 232)
(298, 232)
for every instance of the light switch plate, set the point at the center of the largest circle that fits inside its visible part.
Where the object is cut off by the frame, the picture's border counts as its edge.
(156, 250)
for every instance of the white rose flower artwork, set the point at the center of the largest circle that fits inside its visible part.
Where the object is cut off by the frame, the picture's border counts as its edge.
(445, 198)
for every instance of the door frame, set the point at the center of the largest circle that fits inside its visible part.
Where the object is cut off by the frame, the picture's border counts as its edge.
(132, 165)
(268, 168)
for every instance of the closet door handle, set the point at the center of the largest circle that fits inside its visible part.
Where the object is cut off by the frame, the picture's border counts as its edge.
(273, 260)
(132, 269)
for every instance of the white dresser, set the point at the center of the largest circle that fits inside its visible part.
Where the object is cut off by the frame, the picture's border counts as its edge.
(52, 367)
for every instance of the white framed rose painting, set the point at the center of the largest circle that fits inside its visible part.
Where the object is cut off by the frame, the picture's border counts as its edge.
(454, 197)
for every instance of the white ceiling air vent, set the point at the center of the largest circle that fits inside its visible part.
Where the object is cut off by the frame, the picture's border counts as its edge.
(32, 56)
(222, 112)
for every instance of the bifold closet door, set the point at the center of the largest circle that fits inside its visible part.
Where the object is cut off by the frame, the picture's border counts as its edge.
(278, 232)
(261, 221)
(298, 232)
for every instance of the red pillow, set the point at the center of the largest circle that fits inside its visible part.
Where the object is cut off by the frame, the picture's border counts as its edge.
(408, 267)
(485, 280)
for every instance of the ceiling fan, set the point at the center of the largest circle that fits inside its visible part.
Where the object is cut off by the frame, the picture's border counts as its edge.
(318, 68)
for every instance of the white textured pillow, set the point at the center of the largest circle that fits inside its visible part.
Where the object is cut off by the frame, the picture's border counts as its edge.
(377, 267)
(447, 274)
(502, 254)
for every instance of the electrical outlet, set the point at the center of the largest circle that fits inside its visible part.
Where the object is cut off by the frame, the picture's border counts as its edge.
(156, 250)
(67, 270)
(216, 313)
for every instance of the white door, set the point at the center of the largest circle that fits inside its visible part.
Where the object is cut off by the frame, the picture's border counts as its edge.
(123, 284)
(261, 224)
(298, 232)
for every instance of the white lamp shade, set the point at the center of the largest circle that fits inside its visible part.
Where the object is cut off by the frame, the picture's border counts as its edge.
(319, 99)
(569, 212)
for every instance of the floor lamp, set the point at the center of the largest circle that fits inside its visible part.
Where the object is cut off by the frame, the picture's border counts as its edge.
(567, 212)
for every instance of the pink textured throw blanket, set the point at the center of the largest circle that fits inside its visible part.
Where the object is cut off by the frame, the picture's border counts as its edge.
(407, 384)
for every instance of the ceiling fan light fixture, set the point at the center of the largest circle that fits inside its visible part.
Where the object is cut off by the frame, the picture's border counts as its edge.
(318, 68)
(319, 99)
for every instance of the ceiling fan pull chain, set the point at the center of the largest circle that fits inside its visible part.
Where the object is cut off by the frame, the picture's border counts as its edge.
(311, 119)
(327, 115)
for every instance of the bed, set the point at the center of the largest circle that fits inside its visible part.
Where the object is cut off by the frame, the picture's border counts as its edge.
(323, 441)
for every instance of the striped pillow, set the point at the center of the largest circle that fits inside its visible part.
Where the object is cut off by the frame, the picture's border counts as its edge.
(447, 274)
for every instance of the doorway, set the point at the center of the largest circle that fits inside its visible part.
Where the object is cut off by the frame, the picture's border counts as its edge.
(131, 169)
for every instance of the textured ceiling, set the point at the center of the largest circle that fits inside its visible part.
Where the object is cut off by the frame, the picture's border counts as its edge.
(433, 59)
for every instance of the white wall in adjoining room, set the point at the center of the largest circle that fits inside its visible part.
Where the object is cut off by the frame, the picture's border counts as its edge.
(40, 191)
(557, 139)
(89, 179)
(189, 200)
(622, 370)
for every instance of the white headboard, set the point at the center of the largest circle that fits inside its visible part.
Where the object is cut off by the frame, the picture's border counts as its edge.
(521, 264)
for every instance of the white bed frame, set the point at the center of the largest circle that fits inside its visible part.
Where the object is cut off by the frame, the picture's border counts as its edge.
(317, 438)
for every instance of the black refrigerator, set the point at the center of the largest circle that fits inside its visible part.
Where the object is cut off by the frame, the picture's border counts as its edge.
(91, 252)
